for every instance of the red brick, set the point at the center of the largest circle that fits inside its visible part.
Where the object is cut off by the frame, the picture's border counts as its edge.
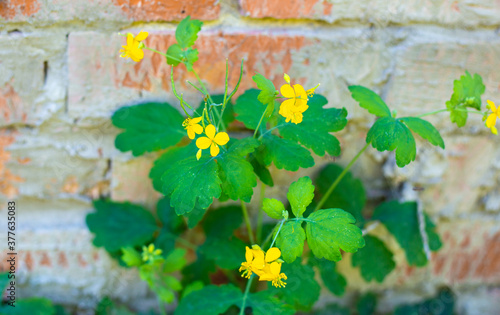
(11, 8)
(293, 9)
(169, 10)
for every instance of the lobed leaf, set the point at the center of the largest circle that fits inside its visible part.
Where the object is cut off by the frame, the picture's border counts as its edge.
(249, 109)
(367, 304)
(425, 129)
(300, 194)
(364, 260)
(222, 222)
(442, 304)
(263, 303)
(466, 93)
(273, 208)
(285, 153)
(290, 240)
(210, 300)
(186, 32)
(330, 230)
(370, 101)
(260, 168)
(332, 279)
(401, 220)
(118, 225)
(148, 127)
(267, 93)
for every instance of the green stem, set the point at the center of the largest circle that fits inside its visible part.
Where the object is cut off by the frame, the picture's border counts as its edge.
(260, 121)
(339, 178)
(446, 110)
(163, 54)
(180, 97)
(247, 221)
(261, 213)
(160, 306)
(186, 243)
(245, 295)
(277, 233)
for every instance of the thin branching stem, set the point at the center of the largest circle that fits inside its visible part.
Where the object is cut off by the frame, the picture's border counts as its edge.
(247, 221)
(245, 295)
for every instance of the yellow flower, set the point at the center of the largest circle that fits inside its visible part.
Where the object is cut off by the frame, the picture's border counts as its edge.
(296, 104)
(212, 140)
(253, 257)
(133, 49)
(272, 272)
(492, 118)
(149, 253)
(192, 127)
(310, 92)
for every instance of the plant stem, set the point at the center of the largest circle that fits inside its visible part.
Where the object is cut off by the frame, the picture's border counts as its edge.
(260, 121)
(160, 306)
(261, 214)
(245, 295)
(339, 178)
(445, 110)
(186, 243)
(277, 233)
(247, 221)
(163, 54)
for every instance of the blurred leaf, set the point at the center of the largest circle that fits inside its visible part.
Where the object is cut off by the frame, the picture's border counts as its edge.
(332, 230)
(314, 130)
(4, 281)
(195, 216)
(131, 257)
(210, 300)
(166, 160)
(332, 279)
(31, 306)
(388, 134)
(227, 253)
(402, 221)
(364, 260)
(199, 269)
(148, 127)
(370, 101)
(349, 194)
(263, 303)
(367, 304)
(174, 261)
(291, 240)
(300, 194)
(222, 222)
(192, 287)
(442, 304)
(186, 32)
(466, 93)
(118, 225)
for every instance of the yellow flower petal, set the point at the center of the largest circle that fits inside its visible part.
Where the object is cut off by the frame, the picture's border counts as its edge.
(198, 154)
(203, 143)
(197, 129)
(491, 120)
(494, 130)
(258, 259)
(272, 254)
(221, 138)
(287, 91)
(141, 36)
(214, 149)
(492, 106)
(300, 94)
(287, 78)
(130, 40)
(190, 133)
(275, 268)
(196, 120)
(136, 54)
(248, 254)
(210, 131)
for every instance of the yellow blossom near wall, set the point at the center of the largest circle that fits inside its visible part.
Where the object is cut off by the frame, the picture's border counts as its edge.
(296, 102)
(267, 266)
(213, 140)
(192, 126)
(133, 49)
(492, 118)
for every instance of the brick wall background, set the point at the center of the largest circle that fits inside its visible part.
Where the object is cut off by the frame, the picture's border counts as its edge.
(61, 79)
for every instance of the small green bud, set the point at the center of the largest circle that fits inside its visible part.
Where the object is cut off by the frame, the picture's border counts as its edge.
(284, 213)
(394, 113)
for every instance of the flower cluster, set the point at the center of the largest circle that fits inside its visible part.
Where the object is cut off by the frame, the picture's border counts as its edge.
(133, 49)
(296, 102)
(212, 140)
(266, 265)
(492, 118)
(149, 253)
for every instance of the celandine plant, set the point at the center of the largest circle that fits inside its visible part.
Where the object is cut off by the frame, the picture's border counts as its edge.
(199, 161)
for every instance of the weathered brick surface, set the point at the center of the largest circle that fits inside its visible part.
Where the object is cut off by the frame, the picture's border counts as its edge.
(53, 11)
(378, 12)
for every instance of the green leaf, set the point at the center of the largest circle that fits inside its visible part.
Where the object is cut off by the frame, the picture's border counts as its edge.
(367, 304)
(301, 290)
(32, 306)
(402, 221)
(267, 93)
(107, 307)
(285, 153)
(442, 304)
(364, 260)
(466, 93)
(176, 260)
(174, 55)
(200, 269)
(131, 257)
(314, 130)
(192, 287)
(4, 281)
(118, 225)
(388, 134)
(425, 129)
(148, 127)
(291, 240)
(190, 57)
(165, 162)
(170, 220)
(195, 216)
(300, 194)
(235, 172)
(332, 279)
(190, 182)
(330, 230)
(370, 101)
(227, 254)
(273, 208)
(349, 194)
(210, 300)
(264, 303)
(249, 109)
(186, 32)
(222, 222)
(260, 168)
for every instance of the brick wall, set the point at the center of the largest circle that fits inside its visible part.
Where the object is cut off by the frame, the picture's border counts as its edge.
(61, 79)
